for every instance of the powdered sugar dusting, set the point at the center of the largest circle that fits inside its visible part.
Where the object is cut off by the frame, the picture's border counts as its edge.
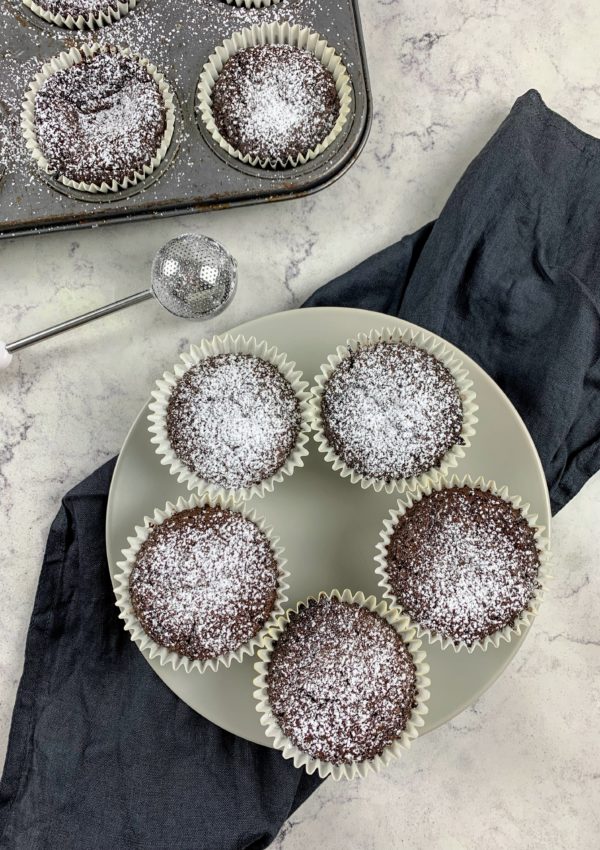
(341, 682)
(101, 119)
(76, 7)
(275, 101)
(204, 582)
(391, 410)
(233, 419)
(177, 37)
(464, 563)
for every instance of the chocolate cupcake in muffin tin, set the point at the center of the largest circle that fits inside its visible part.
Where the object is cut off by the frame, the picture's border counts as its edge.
(464, 563)
(101, 122)
(274, 95)
(274, 102)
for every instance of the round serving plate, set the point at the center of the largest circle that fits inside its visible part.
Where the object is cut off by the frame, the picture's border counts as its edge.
(329, 526)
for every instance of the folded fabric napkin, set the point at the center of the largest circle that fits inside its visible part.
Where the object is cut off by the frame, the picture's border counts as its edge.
(101, 754)
(510, 273)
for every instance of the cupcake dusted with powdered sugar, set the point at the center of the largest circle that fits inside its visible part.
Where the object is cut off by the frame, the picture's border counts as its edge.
(341, 682)
(81, 14)
(204, 582)
(233, 420)
(78, 8)
(391, 411)
(463, 563)
(98, 119)
(274, 102)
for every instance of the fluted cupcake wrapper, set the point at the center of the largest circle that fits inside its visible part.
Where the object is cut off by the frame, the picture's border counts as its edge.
(252, 4)
(66, 60)
(125, 566)
(274, 33)
(406, 630)
(407, 500)
(227, 344)
(442, 352)
(93, 20)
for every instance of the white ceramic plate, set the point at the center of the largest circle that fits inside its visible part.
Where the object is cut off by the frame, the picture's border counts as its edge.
(328, 526)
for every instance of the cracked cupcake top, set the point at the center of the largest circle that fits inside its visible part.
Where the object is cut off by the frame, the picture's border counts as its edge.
(100, 120)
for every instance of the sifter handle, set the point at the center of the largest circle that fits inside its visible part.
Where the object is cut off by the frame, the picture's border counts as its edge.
(7, 349)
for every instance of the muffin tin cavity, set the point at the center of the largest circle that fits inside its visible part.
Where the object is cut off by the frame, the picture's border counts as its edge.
(196, 173)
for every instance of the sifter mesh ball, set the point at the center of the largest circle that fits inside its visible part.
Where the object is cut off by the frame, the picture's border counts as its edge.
(193, 276)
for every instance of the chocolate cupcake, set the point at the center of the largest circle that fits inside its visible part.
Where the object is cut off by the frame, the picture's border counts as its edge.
(274, 95)
(80, 14)
(391, 407)
(103, 121)
(235, 420)
(341, 684)
(464, 562)
(200, 583)
(274, 102)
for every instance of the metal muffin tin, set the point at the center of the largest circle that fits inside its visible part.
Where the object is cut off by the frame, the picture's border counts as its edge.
(196, 175)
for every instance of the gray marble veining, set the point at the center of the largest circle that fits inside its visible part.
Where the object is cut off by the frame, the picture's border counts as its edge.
(521, 767)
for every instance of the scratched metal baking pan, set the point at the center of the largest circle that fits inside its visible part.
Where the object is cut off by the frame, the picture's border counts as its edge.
(177, 36)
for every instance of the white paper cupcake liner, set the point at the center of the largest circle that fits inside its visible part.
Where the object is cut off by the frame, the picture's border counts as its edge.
(133, 625)
(403, 626)
(252, 4)
(208, 348)
(66, 60)
(274, 33)
(407, 500)
(440, 350)
(93, 20)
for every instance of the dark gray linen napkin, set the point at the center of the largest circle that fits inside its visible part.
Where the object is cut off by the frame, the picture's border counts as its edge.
(101, 754)
(510, 273)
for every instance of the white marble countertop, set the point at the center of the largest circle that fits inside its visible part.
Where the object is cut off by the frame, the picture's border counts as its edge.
(521, 767)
